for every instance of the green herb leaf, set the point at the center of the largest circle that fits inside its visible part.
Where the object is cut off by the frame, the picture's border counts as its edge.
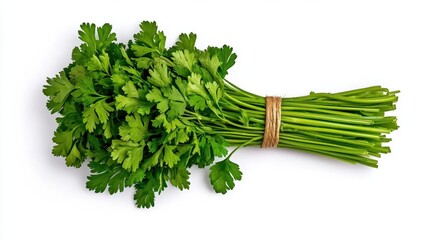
(145, 194)
(135, 130)
(170, 158)
(179, 177)
(223, 174)
(129, 154)
(96, 113)
(159, 75)
(226, 57)
(58, 89)
(186, 42)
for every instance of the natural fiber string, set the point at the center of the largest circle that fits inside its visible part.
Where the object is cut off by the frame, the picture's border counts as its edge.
(272, 121)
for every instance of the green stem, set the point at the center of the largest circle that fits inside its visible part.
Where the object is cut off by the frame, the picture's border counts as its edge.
(242, 145)
(348, 125)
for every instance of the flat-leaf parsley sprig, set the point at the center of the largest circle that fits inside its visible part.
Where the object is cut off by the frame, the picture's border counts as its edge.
(143, 114)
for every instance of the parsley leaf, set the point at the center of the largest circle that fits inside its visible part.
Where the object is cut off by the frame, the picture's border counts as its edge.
(186, 42)
(170, 158)
(184, 59)
(64, 142)
(198, 102)
(75, 157)
(127, 153)
(159, 75)
(105, 36)
(112, 177)
(179, 177)
(226, 57)
(150, 37)
(100, 177)
(223, 174)
(96, 113)
(145, 190)
(135, 128)
(58, 89)
(211, 63)
(88, 35)
(145, 194)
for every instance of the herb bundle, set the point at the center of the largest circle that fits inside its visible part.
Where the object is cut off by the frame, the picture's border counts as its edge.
(144, 114)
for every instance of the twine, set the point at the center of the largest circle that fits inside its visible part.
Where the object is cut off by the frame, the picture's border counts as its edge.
(272, 121)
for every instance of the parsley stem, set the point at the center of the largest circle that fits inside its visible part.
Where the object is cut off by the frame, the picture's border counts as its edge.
(244, 144)
(243, 104)
(348, 125)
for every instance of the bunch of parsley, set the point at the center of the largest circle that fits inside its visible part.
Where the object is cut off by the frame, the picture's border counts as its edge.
(144, 114)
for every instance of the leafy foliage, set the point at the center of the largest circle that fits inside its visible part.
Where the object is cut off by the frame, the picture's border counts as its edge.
(131, 109)
(223, 174)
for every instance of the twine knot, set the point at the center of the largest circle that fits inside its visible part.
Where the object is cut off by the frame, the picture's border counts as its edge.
(272, 121)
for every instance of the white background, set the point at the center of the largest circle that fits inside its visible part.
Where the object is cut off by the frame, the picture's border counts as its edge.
(287, 49)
